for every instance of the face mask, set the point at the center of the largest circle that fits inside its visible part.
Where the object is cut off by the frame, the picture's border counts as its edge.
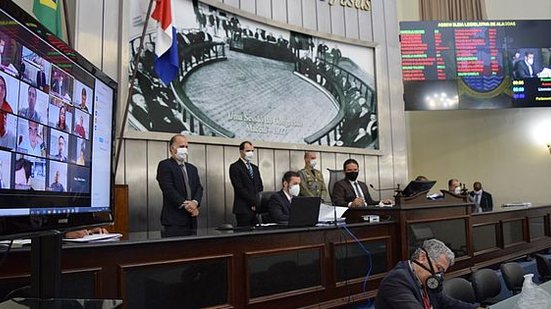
(478, 192)
(352, 176)
(457, 190)
(249, 155)
(181, 154)
(313, 163)
(294, 190)
(435, 281)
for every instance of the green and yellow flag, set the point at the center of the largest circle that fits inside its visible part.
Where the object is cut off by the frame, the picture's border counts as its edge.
(48, 12)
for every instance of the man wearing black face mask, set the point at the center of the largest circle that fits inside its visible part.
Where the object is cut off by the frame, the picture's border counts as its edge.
(350, 192)
(417, 283)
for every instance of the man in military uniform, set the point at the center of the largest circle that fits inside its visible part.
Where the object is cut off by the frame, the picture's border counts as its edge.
(311, 183)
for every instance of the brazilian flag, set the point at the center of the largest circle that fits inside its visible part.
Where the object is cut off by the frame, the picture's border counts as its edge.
(48, 12)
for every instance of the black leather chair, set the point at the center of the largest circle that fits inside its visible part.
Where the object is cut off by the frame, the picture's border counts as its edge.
(513, 275)
(544, 267)
(461, 289)
(334, 176)
(486, 286)
(262, 213)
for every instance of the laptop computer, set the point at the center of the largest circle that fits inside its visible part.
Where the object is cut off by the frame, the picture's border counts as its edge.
(304, 211)
(417, 186)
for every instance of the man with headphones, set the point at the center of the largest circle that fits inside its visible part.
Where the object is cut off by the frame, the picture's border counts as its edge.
(417, 283)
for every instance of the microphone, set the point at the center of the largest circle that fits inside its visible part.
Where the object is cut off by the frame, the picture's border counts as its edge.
(382, 189)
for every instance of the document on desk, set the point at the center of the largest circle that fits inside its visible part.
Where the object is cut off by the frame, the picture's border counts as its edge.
(95, 238)
(328, 213)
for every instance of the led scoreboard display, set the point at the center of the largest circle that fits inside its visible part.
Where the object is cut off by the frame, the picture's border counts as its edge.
(476, 64)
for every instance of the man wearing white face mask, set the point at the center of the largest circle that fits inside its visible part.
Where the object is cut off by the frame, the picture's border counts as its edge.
(247, 183)
(454, 186)
(311, 179)
(279, 205)
(182, 190)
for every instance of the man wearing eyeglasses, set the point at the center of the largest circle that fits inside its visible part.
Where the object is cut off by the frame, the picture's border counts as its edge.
(418, 282)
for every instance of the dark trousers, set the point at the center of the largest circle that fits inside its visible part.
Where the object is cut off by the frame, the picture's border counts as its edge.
(246, 219)
(178, 230)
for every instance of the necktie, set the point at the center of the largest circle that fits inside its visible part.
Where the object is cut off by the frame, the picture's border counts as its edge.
(250, 169)
(358, 190)
(186, 181)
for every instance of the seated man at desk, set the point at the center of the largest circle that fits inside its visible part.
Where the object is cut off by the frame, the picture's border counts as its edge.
(279, 205)
(350, 192)
(454, 186)
(417, 283)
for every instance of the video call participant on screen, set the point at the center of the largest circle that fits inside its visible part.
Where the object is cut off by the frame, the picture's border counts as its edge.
(79, 128)
(5, 106)
(23, 171)
(34, 143)
(182, 191)
(81, 160)
(61, 122)
(83, 100)
(417, 282)
(350, 192)
(247, 183)
(7, 138)
(29, 111)
(525, 68)
(279, 205)
(40, 75)
(56, 186)
(60, 155)
(311, 179)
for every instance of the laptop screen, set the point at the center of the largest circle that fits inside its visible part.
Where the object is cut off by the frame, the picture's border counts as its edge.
(304, 211)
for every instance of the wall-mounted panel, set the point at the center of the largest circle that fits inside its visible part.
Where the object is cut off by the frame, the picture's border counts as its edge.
(279, 10)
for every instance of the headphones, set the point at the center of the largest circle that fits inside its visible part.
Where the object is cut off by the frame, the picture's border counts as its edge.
(435, 281)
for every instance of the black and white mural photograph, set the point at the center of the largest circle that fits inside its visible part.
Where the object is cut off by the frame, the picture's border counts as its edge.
(239, 78)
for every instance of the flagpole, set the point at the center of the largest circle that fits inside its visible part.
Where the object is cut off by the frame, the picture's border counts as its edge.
(130, 87)
(67, 28)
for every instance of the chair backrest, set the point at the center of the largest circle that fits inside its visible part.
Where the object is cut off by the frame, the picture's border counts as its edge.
(513, 275)
(460, 288)
(334, 176)
(544, 267)
(263, 198)
(486, 285)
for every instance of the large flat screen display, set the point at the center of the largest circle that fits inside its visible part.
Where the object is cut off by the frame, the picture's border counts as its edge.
(476, 64)
(56, 131)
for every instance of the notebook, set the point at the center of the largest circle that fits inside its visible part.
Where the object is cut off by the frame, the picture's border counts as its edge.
(304, 211)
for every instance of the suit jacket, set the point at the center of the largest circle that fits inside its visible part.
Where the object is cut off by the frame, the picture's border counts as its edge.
(171, 181)
(343, 193)
(400, 289)
(245, 189)
(522, 70)
(279, 207)
(486, 201)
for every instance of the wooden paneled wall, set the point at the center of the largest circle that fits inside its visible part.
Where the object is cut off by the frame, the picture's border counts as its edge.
(101, 35)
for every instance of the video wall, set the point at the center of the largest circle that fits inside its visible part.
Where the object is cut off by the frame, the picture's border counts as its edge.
(45, 121)
(450, 65)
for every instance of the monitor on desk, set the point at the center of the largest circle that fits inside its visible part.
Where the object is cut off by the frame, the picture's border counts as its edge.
(304, 211)
(417, 186)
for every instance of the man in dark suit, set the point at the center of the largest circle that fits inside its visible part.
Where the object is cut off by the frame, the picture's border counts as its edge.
(350, 192)
(525, 68)
(482, 200)
(247, 183)
(279, 205)
(182, 190)
(411, 284)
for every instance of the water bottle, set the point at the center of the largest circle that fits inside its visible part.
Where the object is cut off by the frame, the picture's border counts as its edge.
(532, 296)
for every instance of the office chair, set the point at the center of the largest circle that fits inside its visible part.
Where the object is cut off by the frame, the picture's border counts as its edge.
(262, 213)
(544, 267)
(486, 286)
(461, 289)
(334, 176)
(513, 275)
